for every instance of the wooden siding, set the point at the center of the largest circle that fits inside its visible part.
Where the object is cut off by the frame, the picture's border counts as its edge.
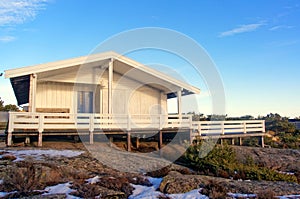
(129, 96)
(54, 95)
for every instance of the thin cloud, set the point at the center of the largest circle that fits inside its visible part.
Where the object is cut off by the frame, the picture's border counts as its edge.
(19, 11)
(241, 29)
(280, 27)
(6, 39)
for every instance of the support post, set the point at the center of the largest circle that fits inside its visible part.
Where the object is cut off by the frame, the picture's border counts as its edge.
(91, 137)
(110, 80)
(9, 138)
(179, 103)
(27, 140)
(111, 140)
(232, 141)
(222, 141)
(40, 139)
(240, 141)
(32, 92)
(262, 142)
(160, 140)
(137, 142)
(128, 141)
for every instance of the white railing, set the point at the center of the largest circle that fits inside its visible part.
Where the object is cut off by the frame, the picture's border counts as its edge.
(204, 128)
(92, 122)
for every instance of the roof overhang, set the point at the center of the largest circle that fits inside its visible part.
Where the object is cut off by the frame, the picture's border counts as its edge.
(21, 86)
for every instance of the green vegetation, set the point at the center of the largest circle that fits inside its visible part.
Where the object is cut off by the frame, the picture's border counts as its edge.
(221, 161)
(8, 107)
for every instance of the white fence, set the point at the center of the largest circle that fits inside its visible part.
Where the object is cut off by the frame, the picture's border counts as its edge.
(93, 122)
(206, 128)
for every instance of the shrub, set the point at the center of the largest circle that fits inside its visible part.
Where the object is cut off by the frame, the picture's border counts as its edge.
(266, 194)
(214, 190)
(221, 161)
(23, 179)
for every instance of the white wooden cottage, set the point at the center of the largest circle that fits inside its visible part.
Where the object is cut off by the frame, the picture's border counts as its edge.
(102, 92)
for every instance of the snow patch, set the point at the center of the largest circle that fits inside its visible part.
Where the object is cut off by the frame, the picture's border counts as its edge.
(39, 154)
(240, 195)
(3, 194)
(194, 194)
(142, 192)
(93, 180)
(289, 197)
(60, 189)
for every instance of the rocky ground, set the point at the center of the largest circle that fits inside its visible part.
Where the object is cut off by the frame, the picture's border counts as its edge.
(286, 160)
(113, 183)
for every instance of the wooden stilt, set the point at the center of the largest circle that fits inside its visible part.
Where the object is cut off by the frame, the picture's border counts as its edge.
(240, 141)
(232, 141)
(111, 140)
(137, 142)
(27, 140)
(262, 143)
(9, 138)
(40, 139)
(91, 137)
(128, 141)
(221, 141)
(160, 140)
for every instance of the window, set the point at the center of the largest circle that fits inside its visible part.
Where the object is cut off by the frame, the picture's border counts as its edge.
(85, 102)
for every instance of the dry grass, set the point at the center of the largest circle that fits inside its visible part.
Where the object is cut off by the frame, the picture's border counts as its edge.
(266, 194)
(23, 179)
(214, 190)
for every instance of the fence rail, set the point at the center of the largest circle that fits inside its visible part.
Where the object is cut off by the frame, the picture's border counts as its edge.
(206, 128)
(92, 122)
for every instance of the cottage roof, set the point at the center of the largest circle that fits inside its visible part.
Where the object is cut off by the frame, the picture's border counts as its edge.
(60, 69)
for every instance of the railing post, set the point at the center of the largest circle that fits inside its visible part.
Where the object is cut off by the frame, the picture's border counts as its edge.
(191, 121)
(40, 129)
(10, 129)
(92, 128)
(199, 128)
(11, 122)
(160, 122)
(223, 127)
(245, 127)
(128, 122)
(263, 126)
(41, 123)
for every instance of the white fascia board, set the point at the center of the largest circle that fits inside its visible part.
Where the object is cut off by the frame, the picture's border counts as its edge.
(56, 65)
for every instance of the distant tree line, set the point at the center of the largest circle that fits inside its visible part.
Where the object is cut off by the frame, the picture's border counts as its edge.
(8, 107)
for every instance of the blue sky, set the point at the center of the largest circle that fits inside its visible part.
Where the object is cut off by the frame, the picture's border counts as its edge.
(254, 44)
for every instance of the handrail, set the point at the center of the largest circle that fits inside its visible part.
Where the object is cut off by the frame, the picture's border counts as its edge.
(44, 121)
